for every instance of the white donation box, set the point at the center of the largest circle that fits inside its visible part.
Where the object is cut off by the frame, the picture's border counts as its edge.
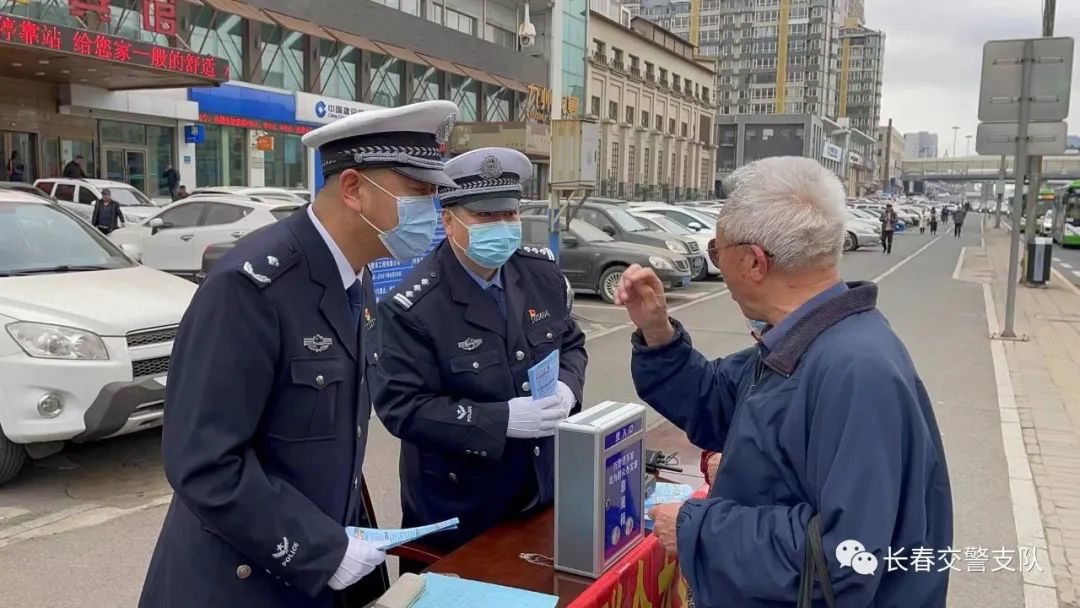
(599, 487)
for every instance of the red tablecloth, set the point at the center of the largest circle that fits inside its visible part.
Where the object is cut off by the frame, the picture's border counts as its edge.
(643, 577)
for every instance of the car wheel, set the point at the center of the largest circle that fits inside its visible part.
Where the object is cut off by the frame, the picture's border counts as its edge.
(12, 458)
(703, 273)
(609, 283)
(850, 242)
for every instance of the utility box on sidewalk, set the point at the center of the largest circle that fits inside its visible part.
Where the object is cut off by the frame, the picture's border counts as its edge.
(1038, 260)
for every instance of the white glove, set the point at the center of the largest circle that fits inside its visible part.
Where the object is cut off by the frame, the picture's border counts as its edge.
(566, 396)
(530, 418)
(361, 558)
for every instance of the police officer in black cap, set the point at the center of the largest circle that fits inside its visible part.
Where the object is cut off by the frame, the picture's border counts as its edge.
(267, 407)
(458, 337)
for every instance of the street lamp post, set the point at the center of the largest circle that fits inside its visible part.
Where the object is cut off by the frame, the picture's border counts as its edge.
(967, 149)
(955, 131)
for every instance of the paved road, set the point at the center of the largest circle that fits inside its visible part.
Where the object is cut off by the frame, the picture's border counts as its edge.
(1068, 262)
(90, 517)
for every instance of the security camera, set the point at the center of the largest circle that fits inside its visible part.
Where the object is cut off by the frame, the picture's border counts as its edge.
(527, 34)
(526, 31)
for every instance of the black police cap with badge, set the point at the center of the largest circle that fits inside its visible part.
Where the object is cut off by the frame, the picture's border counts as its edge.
(409, 140)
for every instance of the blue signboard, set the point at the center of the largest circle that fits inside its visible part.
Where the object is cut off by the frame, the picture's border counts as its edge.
(622, 497)
(194, 134)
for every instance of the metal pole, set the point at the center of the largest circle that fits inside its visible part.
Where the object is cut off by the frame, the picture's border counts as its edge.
(1000, 194)
(1019, 165)
(1049, 12)
(888, 161)
(955, 132)
(553, 223)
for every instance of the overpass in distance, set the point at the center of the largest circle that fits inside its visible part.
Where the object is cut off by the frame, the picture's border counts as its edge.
(984, 168)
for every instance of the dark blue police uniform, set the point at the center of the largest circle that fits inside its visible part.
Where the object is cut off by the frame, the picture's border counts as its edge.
(265, 427)
(450, 361)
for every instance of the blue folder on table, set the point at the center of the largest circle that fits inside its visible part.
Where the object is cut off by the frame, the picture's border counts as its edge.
(450, 592)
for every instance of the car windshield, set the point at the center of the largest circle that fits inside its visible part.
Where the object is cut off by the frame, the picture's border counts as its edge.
(666, 225)
(624, 220)
(130, 197)
(37, 238)
(590, 234)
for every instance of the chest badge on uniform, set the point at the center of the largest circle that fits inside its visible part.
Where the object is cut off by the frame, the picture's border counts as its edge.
(470, 343)
(369, 319)
(538, 316)
(318, 343)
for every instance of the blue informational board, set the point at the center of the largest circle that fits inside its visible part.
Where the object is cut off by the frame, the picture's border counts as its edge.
(622, 495)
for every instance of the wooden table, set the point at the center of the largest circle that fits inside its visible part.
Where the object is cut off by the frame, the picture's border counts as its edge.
(494, 557)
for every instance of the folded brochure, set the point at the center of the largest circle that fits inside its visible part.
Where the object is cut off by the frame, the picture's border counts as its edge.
(544, 376)
(388, 538)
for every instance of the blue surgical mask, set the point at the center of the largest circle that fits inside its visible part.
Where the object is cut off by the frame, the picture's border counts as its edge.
(415, 228)
(756, 326)
(492, 243)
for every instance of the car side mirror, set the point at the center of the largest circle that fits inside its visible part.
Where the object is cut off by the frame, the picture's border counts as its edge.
(609, 230)
(569, 240)
(696, 226)
(131, 251)
(156, 224)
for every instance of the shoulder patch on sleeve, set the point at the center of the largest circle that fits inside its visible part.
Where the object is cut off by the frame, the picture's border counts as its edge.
(263, 269)
(409, 291)
(542, 253)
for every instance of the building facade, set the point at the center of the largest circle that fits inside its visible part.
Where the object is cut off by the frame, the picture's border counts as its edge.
(889, 167)
(920, 145)
(862, 54)
(656, 110)
(223, 89)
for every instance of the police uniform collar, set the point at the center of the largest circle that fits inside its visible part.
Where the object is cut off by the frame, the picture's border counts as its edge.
(348, 276)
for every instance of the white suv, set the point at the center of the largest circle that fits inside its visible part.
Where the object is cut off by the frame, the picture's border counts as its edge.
(174, 239)
(136, 206)
(85, 333)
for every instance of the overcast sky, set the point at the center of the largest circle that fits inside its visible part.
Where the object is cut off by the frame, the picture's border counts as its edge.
(933, 54)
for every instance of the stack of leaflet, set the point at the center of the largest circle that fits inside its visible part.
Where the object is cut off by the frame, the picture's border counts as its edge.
(450, 592)
(386, 539)
(663, 494)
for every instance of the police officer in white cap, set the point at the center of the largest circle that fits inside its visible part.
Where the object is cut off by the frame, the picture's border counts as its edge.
(458, 337)
(267, 413)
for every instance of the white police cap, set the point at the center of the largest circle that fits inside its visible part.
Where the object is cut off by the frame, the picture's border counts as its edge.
(409, 139)
(488, 179)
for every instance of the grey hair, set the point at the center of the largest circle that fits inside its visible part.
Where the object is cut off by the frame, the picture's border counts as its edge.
(792, 207)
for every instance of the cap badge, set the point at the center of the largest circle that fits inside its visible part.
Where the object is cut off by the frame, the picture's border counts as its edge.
(442, 135)
(490, 167)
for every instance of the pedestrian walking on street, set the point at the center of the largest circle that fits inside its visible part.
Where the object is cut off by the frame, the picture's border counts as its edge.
(172, 180)
(958, 221)
(933, 222)
(888, 228)
(832, 450)
(922, 221)
(74, 168)
(267, 423)
(107, 215)
(15, 167)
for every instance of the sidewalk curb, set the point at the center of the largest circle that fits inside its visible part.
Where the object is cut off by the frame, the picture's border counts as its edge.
(1040, 589)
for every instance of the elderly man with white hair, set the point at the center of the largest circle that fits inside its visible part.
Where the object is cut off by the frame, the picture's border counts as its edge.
(832, 459)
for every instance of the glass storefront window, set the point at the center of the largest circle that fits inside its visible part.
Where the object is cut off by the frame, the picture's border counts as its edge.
(127, 22)
(497, 104)
(286, 164)
(425, 83)
(225, 41)
(465, 92)
(337, 77)
(282, 58)
(221, 157)
(160, 141)
(137, 154)
(386, 75)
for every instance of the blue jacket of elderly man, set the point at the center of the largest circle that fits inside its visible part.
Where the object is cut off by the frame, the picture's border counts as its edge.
(825, 416)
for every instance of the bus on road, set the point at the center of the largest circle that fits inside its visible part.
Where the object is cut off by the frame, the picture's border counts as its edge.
(1067, 216)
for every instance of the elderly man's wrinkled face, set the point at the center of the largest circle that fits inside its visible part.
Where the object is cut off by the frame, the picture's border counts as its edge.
(744, 267)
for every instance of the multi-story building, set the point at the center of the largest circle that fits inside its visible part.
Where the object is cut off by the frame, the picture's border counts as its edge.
(921, 145)
(655, 105)
(775, 57)
(861, 56)
(224, 89)
(891, 149)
